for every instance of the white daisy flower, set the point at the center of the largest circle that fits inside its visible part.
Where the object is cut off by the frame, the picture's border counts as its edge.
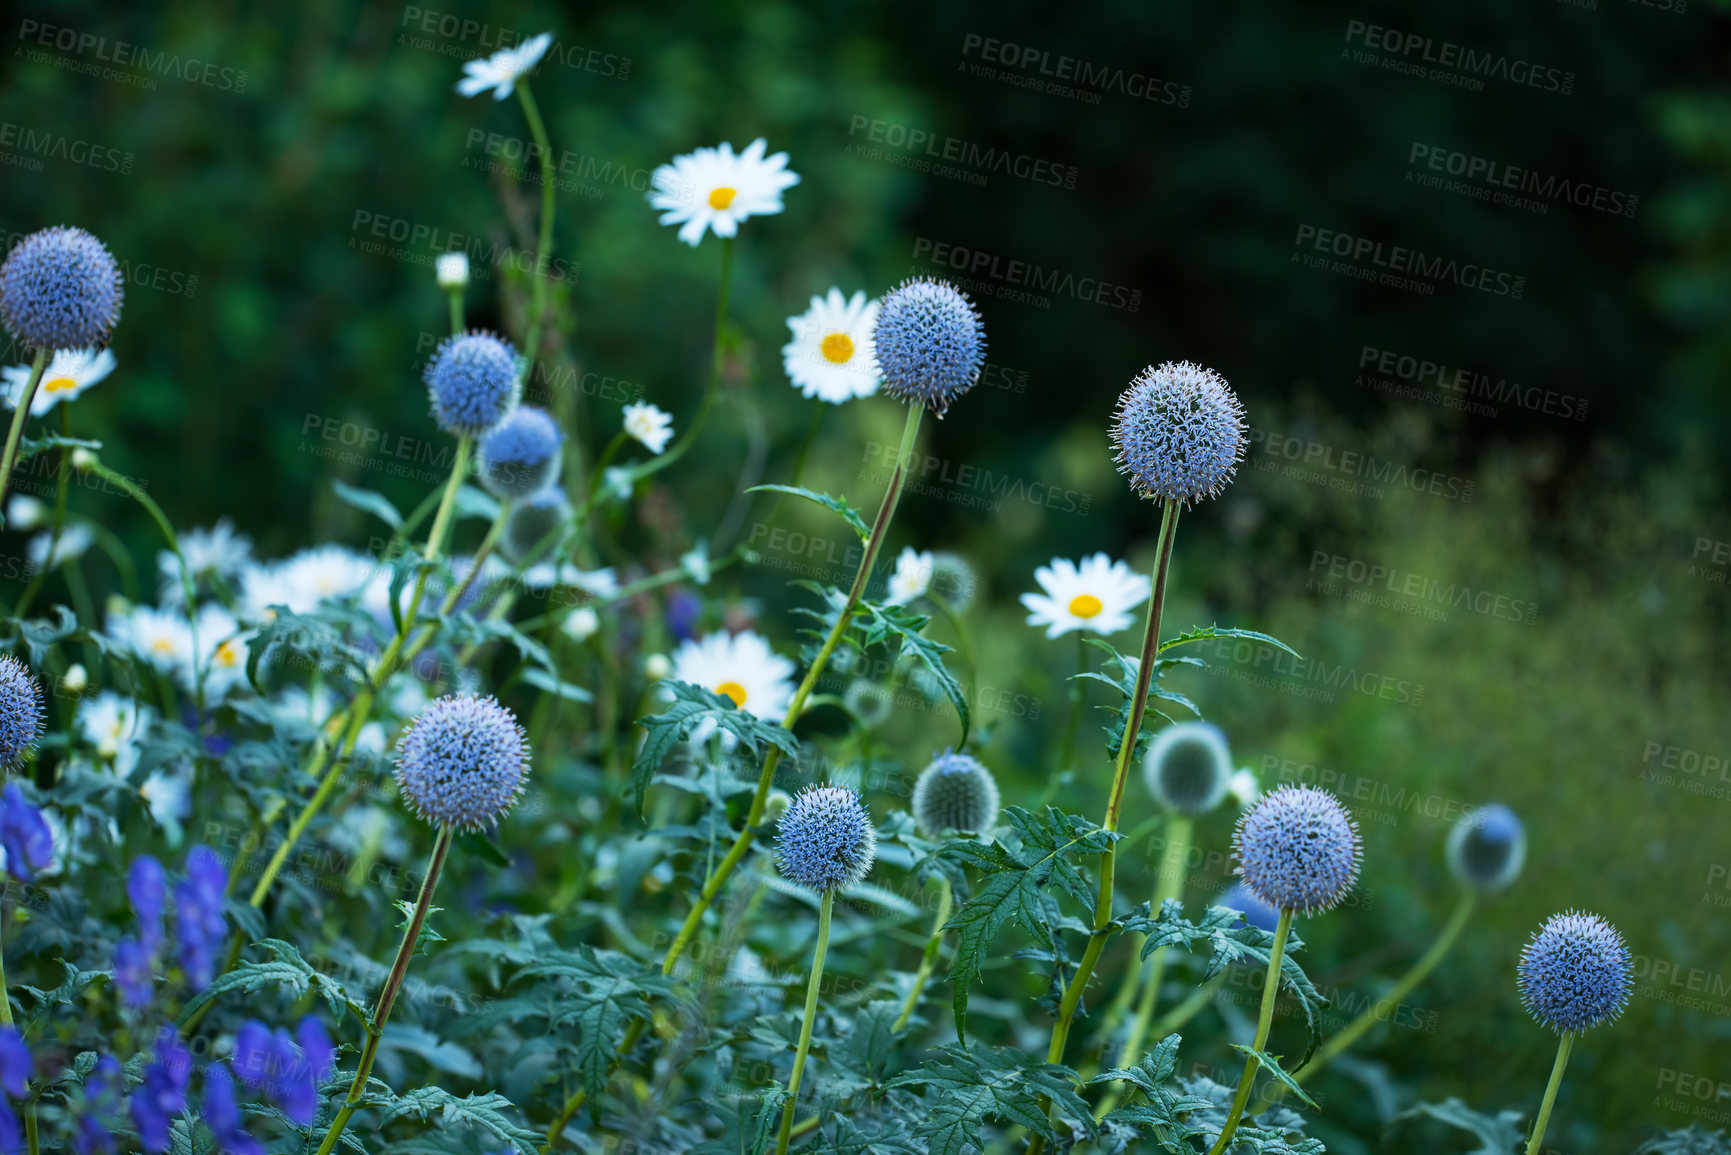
(831, 355)
(222, 663)
(504, 68)
(74, 540)
(68, 374)
(715, 189)
(617, 481)
(1244, 787)
(649, 425)
(597, 583)
(169, 797)
(452, 270)
(740, 667)
(696, 563)
(161, 638)
(1097, 595)
(115, 725)
(581, 623)
(913, 576)
(24, 513)
(306, 579)
(217, 550)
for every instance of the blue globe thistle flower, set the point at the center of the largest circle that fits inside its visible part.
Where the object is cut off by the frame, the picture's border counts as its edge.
(930, 343)
(530, 521)
(955, 792)
(1574, 974)
(25, 835)
(222, 1115)
(825, 840)
(161, 1097)
(1487, 848)
(1188, 767)
(521, 455)
(462, 762)
(201, 924)
(1298, 849)
(60, 289)
(1179, 432)
(20, 711)
(473, 382)
(1256, 912)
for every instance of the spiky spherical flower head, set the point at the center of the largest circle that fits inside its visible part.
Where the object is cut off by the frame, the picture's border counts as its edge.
(825, 840)
(60, 289)
(462, 762)
(1179, 432)
(1574, 974)
(532, 520)
(521, 455)
(20, 711)
(930, 343)
(1298, 849)
(956, 792)
(1189, 767)
(473, 382)
(1487, 847)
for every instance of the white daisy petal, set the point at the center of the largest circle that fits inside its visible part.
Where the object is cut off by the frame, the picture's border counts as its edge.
(714, 189)
(831, 356)
(65, 378)
(1098, 596)
(739, 666)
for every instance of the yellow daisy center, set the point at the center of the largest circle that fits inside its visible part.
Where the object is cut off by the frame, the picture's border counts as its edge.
(60, 385)
(228, 654)
(734, 691)
(722, 197)
(1085, 606)
(162, 646)
(838, 348)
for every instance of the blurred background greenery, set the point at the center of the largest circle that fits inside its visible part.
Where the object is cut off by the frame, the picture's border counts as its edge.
(247, 195)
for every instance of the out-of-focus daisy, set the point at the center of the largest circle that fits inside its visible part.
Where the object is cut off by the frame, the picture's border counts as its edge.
(1096, 595)
(160, 638)
(696, 562)
(830, 356)
(649, 425)
(452, 270)
(715, 189)
(68, 374)
(25, 513)
(217, 550)
(1244, 787)
(114, 724)
(913, 576)
(504, 68)
(581, 623)
(304, 580)
(617, 481)
(597, 583)
(74, 540)
(224, 644)
(740, 667)
(168, 795)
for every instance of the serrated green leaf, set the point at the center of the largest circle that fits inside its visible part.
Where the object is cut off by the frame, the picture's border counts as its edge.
(835, 505)
(367, 501)
(1206, 633)
(965, 1088)
(1271, 1064)
(485, 1113)
(692, 706)
(1501, 1134)
(553, 684)
(287, 969)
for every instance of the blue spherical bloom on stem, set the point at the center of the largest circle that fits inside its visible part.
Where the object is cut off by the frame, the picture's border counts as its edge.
(20, 711)
(24, 833)
(462, 763)
(533, 520)
(930, 343)
(1188, 767)
(1487, 848)
(1574, 974)
(472, 379)
(520, 456)
(825, 840)
(955, 792)
(161, 1097)
(60, 289)
(1179, 433)
(1298, 849)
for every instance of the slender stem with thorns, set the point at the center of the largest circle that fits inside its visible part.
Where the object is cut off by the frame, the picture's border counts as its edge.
(1264, 1023)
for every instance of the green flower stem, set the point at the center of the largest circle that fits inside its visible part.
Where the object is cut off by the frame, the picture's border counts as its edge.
(601, 463)
(811, 989)
(930, 959)
(1270, 996)
(766, 777)
(361, 707)
(678, 448)
(1419, 972)
(1133, 711)
(456, 296)
(19, 416)
(388, 993)
(1564, 1046)
(61, 489)
(1066, 762)
(874, 543)
(544, 249)
(1169, 883)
